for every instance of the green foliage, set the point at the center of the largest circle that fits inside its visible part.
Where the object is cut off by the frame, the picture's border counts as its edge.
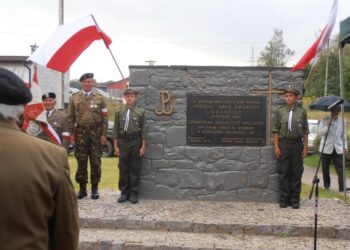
(75, 84)
(276, 52)
(316, 82)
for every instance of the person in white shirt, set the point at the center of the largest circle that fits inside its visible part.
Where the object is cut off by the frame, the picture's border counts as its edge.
(333, 150)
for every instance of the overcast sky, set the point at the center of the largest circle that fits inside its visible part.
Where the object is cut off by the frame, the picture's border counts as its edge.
(171, 32)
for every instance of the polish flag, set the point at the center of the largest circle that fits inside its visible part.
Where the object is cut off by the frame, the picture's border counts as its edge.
(35, 120)
(321, 41)
(67, 43)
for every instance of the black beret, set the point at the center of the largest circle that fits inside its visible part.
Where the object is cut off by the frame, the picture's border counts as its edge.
(291, 90)
(48, 95)
(13, 90)
(86, 76)
(130, 91)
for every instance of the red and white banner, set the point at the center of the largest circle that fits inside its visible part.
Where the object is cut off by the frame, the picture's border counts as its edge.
(67, 43)
(35, 120)
(321, 41)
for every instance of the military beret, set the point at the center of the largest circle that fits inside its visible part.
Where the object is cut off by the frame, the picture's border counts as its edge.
(48, 95)
(13, 90)
(291, 90)
(130, 91)
(86, 76)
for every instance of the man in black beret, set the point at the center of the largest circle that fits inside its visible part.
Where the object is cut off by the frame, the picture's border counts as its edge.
(57, 119)
(34, 180)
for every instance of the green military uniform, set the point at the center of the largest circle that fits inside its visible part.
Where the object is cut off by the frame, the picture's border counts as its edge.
(290, 163)
(129, 144)
(88, 119)
(59, 122)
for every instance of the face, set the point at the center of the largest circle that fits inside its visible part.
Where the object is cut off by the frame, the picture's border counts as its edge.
(87, 84)
(290, 98)
(335, 112)
(49, 103)
(130, 99)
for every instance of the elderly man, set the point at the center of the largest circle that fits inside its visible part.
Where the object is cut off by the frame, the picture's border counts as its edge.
(37, 200)
(88, 124)
(57, 119)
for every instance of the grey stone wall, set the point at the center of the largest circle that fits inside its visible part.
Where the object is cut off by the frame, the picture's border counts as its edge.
(173, 170)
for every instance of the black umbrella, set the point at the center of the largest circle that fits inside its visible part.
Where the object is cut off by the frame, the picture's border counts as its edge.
(324, 103)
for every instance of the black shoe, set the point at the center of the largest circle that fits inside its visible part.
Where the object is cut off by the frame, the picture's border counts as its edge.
(295, 205)
(123, 198)
(283, 204)
(94, 191)
(82, 191)
(134, 198)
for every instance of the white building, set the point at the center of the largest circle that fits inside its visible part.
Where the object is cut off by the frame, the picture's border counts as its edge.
(49, 80)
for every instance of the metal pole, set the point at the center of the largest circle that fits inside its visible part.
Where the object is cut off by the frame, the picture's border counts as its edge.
(61, 22)
(115, 61)
(326, 76)
(342, 118)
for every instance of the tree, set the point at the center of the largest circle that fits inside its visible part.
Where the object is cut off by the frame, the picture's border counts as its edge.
(276, 52)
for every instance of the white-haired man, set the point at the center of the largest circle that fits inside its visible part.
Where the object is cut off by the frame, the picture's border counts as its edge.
(37, 200)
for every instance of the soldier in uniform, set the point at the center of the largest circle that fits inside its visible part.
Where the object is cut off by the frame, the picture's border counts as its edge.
(130, 146)
(37, 200)
(88, 122)
(291, 131)
(57, 119)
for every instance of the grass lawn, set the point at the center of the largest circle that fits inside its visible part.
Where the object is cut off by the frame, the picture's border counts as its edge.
(312, 161)
(109, 176)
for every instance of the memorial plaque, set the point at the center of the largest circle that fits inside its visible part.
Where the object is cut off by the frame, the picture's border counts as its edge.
(226, 120)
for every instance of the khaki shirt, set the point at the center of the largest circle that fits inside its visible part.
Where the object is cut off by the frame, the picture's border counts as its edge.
(88, 111)
(300, 125)
(137, 122)
(59, 122)
(37, 200)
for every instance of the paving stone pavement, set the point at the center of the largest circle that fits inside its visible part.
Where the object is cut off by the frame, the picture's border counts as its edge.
(241, 223)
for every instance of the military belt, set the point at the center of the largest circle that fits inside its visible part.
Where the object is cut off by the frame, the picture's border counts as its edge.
(291, 141)
(87, 127)
(130, 136)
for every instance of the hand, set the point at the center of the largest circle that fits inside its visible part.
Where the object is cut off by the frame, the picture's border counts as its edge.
(304, 154)
(103, 140)
(277, 152)
(142, 151)
(72, 138)
(116, 151)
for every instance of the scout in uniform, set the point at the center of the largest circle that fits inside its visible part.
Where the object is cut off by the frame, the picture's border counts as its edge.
(130, 146)
(38, 204)
(88, 122)
(57, 119)
(291, 131)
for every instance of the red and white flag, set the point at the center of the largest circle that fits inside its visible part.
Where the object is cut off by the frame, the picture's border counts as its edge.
(35, 121)
(321, 41)
(67, 43)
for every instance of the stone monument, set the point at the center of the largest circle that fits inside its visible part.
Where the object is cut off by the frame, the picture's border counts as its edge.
(210, 131)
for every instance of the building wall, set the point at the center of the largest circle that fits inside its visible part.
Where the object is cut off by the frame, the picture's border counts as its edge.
(173, 170)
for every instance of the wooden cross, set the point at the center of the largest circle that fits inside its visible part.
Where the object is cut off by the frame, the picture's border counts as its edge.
(269, 92)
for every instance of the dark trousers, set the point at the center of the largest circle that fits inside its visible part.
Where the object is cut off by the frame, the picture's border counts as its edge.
(338, 164)
(129, 165)
(290, 170)
(88, 147)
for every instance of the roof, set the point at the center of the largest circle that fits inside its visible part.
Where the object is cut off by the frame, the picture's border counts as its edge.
(19, 59)
(122, 84)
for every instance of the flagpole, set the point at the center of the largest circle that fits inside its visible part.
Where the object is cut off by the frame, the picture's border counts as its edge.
(308, 77)
(109, 49)
(326, 74)
(60, 22)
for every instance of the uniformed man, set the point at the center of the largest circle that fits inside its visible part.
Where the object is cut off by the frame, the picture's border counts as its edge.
(88, 121)
(130, 146)
(57, 119)
(291, 131)
(37, 200)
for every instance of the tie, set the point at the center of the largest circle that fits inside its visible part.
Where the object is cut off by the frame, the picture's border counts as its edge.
(127, 118)
(48, 113)
(290, 120)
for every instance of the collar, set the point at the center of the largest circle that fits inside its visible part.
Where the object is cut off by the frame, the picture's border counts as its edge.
(9, 125)
(291, 108)
(87, 93)
(51, 111)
